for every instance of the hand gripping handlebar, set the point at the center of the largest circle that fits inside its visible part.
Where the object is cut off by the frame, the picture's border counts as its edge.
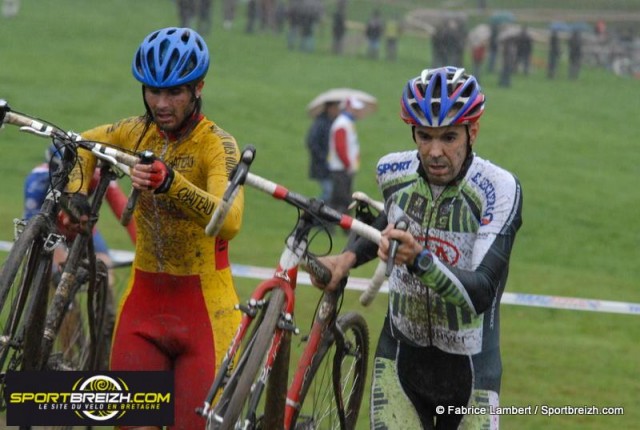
(145, 158)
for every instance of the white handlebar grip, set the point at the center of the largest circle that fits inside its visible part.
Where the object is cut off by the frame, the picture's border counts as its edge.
(374, 284)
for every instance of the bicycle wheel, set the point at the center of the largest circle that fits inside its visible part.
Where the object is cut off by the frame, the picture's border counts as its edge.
(236, 394)
(347, 364)
(23, 282)
(84, 336)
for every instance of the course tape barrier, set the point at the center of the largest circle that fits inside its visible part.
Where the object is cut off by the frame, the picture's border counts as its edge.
(361, 284)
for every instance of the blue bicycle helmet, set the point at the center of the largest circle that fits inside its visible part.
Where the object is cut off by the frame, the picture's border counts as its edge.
(171, 57)
(442, 97)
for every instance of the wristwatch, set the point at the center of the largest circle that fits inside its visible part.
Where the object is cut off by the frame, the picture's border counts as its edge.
(422, 263)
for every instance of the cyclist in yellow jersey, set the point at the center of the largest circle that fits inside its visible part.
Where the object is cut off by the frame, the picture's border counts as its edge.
(177, 312)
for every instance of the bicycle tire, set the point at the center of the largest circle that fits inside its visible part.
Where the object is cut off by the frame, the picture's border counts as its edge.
(237, 391)
(23, 281)
(13, 267)
(318, 409)
(83, 339)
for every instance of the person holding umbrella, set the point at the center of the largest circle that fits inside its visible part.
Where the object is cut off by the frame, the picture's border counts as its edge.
(325, 108)
(344, 153)
(318, 145)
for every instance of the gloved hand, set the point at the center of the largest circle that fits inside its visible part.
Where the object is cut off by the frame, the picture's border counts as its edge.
(74, 216)
(156, 176)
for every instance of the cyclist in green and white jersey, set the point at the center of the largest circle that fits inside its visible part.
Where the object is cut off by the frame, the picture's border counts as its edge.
(437, 364)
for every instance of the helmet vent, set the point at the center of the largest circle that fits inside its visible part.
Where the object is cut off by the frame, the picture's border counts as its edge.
(467, 91)
(150, 64)
(162, 50)
(435, 109)
(185, 36)
(171, 63)
(192, 63)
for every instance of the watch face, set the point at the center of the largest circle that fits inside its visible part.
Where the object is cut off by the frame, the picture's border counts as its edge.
(424, 261)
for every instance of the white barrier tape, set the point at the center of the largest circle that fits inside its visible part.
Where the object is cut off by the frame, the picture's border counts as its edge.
(361, 284)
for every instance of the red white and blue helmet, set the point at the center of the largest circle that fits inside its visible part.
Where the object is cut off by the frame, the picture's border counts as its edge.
(171, 57)
(442, 97)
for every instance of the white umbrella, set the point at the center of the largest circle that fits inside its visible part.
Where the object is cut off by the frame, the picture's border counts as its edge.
(509, 32)
(479, 35)
(339, 95)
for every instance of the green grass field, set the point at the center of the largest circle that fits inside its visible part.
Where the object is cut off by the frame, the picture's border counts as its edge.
(573, 145)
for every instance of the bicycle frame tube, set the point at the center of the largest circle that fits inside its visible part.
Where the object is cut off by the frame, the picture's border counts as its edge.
(325, 317)
(285, 277)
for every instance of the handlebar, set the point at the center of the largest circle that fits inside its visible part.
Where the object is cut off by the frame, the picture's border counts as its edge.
(41, 128)
(238, 177)
(314, 207)
(116, 157)
(145, 158)
(359, 196)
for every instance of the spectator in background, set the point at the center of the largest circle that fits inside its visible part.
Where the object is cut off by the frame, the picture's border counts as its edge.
(554, 54)
(493, 47)
(195, 14)
(456, 37)
(267, 14)
(438, 46)
(524, 49)
(252, 15)
(448, 43)
(478, 52)
(344, 154)
(373, 32)
(308, 16)
(281, 16)
(508, 62)
(338, 30)
(228, 13)
(293, 15)
(392, 31)
(318, 146)
(575, 54)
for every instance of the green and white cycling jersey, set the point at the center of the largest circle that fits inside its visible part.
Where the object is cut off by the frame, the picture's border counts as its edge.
(469, 227)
